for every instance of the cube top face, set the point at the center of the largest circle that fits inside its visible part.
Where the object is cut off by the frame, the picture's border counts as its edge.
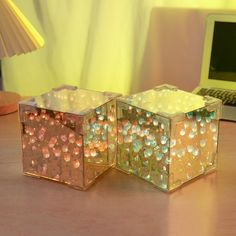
(167, 100)
(167, 149)
(72, 147)
(71, 99)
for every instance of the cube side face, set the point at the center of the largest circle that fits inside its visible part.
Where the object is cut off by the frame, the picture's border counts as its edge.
(193, 144)
(51, 147)
(100, 135)
(143, 144)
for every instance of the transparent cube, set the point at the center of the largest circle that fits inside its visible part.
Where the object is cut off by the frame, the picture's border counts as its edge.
(167, 136)
(69, 135)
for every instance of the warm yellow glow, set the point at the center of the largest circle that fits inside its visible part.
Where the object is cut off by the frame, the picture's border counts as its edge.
(72, 101)
(202, 4)
(92, 44)
(165, 100)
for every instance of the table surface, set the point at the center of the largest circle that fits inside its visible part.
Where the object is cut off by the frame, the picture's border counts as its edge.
(118, 204)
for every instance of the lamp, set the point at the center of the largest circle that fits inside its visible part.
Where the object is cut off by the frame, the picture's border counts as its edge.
(17, 36)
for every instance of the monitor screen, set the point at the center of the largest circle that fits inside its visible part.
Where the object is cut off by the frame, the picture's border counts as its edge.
(223, 53)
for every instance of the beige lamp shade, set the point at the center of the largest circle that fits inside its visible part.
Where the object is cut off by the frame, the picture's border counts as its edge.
(17, 35)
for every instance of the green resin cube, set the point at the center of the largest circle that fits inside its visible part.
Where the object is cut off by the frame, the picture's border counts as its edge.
(167, 136)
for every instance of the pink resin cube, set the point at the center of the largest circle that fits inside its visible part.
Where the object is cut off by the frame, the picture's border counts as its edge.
(69, 135)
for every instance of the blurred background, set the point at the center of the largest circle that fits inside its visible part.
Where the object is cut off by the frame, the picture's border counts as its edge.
(119, 45)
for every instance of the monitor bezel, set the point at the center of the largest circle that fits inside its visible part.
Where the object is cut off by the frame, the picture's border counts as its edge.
(207, 48)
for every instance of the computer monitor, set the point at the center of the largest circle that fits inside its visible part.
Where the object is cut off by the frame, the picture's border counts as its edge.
(219, 52)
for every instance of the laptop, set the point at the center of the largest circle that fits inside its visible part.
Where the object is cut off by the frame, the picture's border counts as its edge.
(218, 72)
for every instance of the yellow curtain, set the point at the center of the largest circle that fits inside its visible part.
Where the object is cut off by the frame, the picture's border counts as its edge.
(94, 44)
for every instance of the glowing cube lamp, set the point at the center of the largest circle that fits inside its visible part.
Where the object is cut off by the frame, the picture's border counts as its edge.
(167, 136)
(69, 135)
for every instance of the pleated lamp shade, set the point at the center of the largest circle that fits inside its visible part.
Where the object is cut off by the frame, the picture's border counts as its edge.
(17, 35)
